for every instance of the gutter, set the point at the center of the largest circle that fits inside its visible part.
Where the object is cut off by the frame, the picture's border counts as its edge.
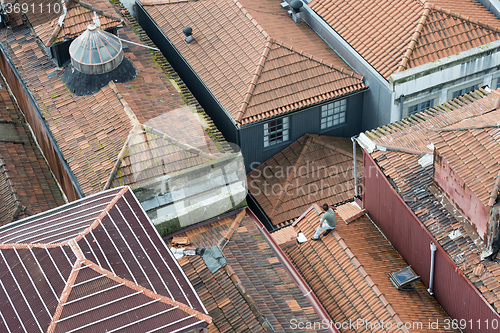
(295, 275)
(46, 128)
(353, 139)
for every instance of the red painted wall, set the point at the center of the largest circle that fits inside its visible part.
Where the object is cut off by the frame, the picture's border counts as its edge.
(461, 196)
(411, 238)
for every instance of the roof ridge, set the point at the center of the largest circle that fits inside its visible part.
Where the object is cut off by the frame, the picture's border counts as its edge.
(250, 17)
(308, 139)
(11, 187)
(234, 225)
(317, 139)
(464, 18)
(148, 293)
(99, 218)
(255, 79)
(353, 74)
(494, 191)
(416, 35)
(64, 296)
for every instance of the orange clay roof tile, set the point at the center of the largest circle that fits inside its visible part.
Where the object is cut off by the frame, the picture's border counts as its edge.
(395, 36)
(351, 285)
(465, 132)
(250, 56)
(92, 130)
(314, 168)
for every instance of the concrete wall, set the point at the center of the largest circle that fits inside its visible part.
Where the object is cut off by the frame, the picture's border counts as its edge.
(439, 79)
(462, 196)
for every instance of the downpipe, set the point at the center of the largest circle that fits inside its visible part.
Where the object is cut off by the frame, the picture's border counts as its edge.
(431, 278)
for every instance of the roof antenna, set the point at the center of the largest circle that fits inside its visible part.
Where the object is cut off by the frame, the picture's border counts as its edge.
(188, 32)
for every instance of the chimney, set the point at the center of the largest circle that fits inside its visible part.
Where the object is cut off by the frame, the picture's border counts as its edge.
(188, 32)
(296, 6)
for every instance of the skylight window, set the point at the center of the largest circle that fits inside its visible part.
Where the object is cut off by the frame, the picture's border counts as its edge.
(403, 278)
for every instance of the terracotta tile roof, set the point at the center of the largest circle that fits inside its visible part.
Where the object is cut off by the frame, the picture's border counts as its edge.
(348, 271)
(250, 70)
(312, 169)
(91, 130)
(252, 267)
(474, 154)
(415, 185)
(79, 15)
(85, 278)
(27, 186)
(395, 36)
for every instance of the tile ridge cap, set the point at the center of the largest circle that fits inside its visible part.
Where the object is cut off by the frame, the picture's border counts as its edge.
(255, 78)
(464, 18)
(309, 56)
(11, 188)
(148, 293)
(64, 295)
(234, 225)
(307, 143)
(119, 159)
(251, 18)
(415, 36)
(97, 11)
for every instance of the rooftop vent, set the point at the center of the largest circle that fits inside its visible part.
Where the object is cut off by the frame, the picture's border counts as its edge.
(188, 32)
(96, 51)
(403, 278)
(296, 6)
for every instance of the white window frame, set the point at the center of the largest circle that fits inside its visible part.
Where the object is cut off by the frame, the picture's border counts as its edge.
(462, 91)
(333, 114)
(276, 131)
(422, 106)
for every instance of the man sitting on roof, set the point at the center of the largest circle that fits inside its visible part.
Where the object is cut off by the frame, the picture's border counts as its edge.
(328, 222)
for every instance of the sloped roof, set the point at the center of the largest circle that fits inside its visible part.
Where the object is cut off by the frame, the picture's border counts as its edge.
(415, 182)
(27, 186)
(312, 169)
(253, 74)
(253, 271)
(45, 19)
(91, 130)
(94, 262)
(348, 271)
(474, 155)
(394, 36)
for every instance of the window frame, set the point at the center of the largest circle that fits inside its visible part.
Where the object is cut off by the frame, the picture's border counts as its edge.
(419, 107)
(333, 114)
(276, 131)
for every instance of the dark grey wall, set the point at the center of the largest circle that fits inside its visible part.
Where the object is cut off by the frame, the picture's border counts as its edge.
(304, 121)
(195, 84)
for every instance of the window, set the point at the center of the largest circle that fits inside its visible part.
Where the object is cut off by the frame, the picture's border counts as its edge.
(333, 114)
(420, 107)
(276, 131)
(498, 83)
(463, 91)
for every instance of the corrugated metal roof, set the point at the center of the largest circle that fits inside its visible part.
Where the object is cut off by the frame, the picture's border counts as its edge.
(96, 262)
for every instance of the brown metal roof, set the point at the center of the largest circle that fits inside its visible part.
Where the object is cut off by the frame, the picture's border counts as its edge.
(111, 271)
(312, 169)
(92, 130)
(27, 186)
(470, 118)
(253, 70)
(348, 271)
(396, 35)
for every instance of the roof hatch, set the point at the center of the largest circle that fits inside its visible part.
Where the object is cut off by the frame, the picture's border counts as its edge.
(96, 51)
